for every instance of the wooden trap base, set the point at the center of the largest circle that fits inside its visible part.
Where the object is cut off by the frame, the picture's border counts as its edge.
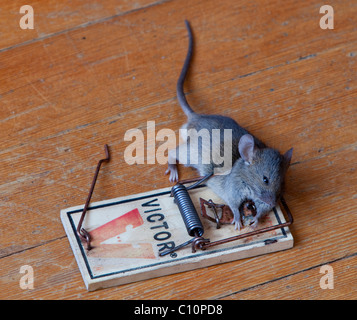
(129, 232)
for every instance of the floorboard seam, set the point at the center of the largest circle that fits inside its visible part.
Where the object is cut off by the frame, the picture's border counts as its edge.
(289, 275)
(83, 25)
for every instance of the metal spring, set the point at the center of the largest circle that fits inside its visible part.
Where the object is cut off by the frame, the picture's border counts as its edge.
(188, 211)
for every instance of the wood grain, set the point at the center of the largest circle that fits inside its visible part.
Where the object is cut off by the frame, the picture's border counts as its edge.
(53, 17)
(87, 74)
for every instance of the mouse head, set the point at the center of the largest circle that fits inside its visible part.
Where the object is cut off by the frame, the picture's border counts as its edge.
(263, 169)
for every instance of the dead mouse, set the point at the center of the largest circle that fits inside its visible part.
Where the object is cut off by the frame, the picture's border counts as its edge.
(257, 171)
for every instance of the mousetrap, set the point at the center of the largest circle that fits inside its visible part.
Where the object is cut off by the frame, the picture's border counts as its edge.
(154, 234)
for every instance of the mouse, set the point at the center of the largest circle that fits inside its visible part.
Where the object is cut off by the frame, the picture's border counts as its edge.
(256, 171)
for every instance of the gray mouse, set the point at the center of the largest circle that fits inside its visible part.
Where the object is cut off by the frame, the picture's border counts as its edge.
(257, 171)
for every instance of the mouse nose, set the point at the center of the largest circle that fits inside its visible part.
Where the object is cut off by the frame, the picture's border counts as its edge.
(269, 198)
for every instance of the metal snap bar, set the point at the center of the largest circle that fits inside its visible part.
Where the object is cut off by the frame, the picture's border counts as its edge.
(82, 233)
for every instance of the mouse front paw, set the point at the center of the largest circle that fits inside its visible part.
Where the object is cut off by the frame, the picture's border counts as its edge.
(237, 223)
(172, 169)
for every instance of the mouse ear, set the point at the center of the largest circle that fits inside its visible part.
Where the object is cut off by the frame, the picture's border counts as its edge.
(246, 148)
(287, 157)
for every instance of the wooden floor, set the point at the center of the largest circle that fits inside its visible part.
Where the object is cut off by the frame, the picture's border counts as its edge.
(89, 71)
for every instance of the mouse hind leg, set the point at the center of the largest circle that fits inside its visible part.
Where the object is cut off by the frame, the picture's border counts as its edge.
(174, 156)
(178, 155)
(172, 165)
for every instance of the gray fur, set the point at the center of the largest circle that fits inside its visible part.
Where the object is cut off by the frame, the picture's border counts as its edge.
(258, 171)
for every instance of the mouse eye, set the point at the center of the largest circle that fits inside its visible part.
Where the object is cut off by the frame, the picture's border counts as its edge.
(265, 179)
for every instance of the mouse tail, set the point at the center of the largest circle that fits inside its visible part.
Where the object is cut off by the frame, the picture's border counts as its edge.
(179, 88)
